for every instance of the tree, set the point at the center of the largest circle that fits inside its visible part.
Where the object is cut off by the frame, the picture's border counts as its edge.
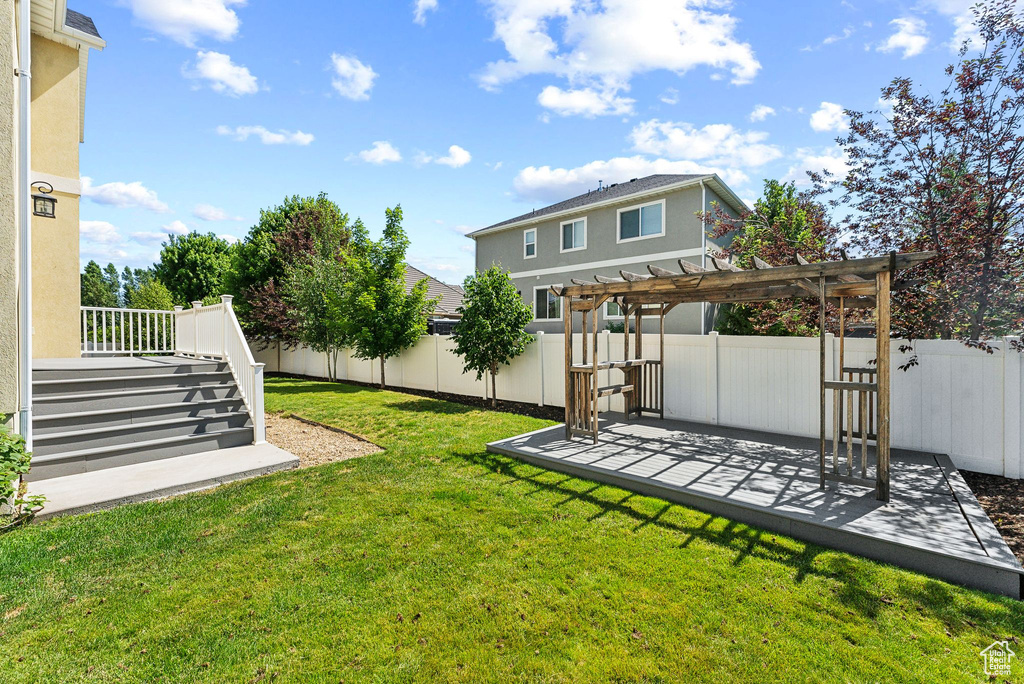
(946, 173)
(284, 236)
(97, 288)
(132, 280)
(382, 318)
(493, 326)
(192, 266)
(783, 223)
(151, 294)
(315, 289)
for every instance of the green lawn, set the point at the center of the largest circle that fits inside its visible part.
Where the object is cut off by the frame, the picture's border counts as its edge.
(434, 560)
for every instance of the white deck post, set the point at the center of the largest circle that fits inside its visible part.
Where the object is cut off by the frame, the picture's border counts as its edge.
(195, 328)
(259, 423)
(225, 321)
(177, 343)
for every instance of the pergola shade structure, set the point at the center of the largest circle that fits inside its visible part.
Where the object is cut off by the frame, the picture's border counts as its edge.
(864, 283)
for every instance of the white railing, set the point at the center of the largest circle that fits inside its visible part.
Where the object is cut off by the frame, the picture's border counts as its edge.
(126, 332)
(213, 332)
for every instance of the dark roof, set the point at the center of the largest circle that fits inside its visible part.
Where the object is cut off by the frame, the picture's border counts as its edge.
(451, 295)
(79, 21)
(610, 192)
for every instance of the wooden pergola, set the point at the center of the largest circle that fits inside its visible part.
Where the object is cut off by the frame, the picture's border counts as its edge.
(848, 284)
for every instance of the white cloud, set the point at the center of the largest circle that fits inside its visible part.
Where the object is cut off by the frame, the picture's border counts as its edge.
(714, 144)
(833, 160)
(352, 78)
(829, 117)
(208, 212)
(836, 37)
(267, 137)
(186, 20)
(382, 152)
(99, 231)
(175, 227)
(584, 102)
(119, 194)
(670, 96)
(761, 112)
(456, 157)
(910, 37)
(602, 46)
(230, 239)
(222, 75)
(420, 10)
(546, 184)
(961, 16)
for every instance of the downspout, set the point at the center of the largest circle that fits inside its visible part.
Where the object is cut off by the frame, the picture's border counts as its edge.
(704, 251)
(24, 222)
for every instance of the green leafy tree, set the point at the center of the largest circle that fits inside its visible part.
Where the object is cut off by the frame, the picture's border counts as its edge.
(315, 290)
(131, 280)
(783, 223)
(493, 326)
(192, 266)
(382, 319)
(97, 290)
(283, 237)
(151, 294)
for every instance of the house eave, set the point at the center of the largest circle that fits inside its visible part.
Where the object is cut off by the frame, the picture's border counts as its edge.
(712, 180)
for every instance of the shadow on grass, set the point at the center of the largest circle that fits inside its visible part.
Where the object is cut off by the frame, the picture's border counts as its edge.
(283, 385)
(427, 405)
(860, 588)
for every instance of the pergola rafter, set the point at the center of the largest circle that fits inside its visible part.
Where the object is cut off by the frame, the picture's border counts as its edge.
(847, 284)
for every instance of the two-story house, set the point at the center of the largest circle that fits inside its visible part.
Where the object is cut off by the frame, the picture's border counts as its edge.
(624, 226)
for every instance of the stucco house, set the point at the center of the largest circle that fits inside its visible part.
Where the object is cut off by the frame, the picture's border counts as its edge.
(449, 299)
(623, 226)
(42, 119)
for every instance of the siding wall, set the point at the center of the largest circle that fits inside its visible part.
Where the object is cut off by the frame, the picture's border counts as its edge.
(957, 401)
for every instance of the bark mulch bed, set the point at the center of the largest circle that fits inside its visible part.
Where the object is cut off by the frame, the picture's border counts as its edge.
(313, 443)
(1003, 501)
(517, 407)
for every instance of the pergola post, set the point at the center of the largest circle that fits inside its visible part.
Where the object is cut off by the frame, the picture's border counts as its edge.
(821, 337)
(567, 329)
(883, 281)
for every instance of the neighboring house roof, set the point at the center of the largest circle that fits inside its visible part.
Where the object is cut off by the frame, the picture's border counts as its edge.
(451, 295)
(618, 192)
(80, 22)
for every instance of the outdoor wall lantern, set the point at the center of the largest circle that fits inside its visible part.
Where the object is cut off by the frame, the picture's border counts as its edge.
(44, 204)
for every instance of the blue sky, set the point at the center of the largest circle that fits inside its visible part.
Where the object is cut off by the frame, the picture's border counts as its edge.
(467, 112)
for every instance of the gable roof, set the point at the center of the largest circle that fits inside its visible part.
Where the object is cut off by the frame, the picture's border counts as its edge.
(451, 296)
(80, 22)
(619, 192)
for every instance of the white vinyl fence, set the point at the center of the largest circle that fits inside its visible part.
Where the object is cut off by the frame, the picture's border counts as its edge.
(957, 401)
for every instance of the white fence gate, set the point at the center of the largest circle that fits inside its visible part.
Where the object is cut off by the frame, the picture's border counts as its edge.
(957, 401)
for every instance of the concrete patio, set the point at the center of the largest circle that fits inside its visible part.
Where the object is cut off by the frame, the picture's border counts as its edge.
(933, 524)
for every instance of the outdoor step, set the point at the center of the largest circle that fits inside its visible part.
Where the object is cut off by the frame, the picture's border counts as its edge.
(112, 435)
(44, 405)
(84, 460)
(92, 491)
(120, 383)
(74, 419)
(100, 368)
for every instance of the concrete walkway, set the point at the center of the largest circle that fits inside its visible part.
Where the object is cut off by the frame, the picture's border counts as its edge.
(110, 487)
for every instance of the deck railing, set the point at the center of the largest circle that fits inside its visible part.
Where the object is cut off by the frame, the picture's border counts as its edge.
(213, 332)
(126, 332)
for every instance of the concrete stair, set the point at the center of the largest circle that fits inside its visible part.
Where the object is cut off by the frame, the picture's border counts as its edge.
(95, 414)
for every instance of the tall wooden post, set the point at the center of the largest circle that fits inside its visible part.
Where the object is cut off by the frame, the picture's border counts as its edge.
(883, 282)
(593, 377)
(567, 329)
(821, 325)
(661, 364)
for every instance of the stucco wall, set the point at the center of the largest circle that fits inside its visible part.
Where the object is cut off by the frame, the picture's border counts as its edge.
(8, 216)
(683, 238)
(56, 293)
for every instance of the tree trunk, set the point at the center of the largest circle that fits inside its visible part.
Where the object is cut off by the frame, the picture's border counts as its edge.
(382, 385)
(494, 391)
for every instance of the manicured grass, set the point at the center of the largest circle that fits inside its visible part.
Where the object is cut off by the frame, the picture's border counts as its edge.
(434, 560)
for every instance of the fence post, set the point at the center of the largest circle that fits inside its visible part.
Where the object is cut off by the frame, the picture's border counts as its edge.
(437, 362)
(195, 328)
(711, 401)
(540, 345)
(1013, 455)
(259, 422)
(226, 301)
(177, 345)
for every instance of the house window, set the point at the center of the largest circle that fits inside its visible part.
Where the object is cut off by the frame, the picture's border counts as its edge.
(529, 243)
(644, 221)
(574, 235)
(546, 306)
(612, 310)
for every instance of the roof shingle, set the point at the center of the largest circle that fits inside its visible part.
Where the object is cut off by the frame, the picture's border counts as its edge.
(451, 296)
(80, 22)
